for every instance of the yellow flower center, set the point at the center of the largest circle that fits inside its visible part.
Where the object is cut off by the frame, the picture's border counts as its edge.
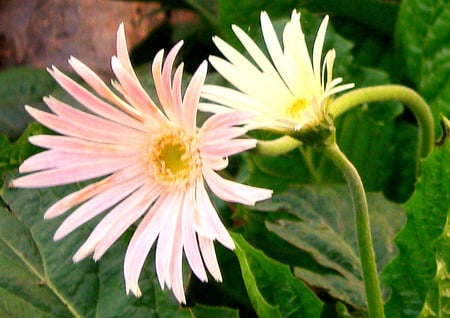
(295, 110)
(174, 158)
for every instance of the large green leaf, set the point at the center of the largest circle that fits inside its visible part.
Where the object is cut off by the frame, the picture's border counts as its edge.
(422, 32)
(412, 272)
(272, 288)
(12, 155)
(378, 15)
(18, 87)
(38, 278)
(320, 222)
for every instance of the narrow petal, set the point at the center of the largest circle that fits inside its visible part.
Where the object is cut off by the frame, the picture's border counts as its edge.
(163, 94)
(221, 135)
(209, 256)
(133, 90)
(122, 50)
(141, 243)
(90, 101)
(121, 214)
(255, 52)
(97, 205)
(136, 207)
(65, 175)
(318, 46)
(169, 235)
(190, 242)
(207, 221)
(162, 73)
(64, 127)
(273, 46)
(82, 119)
(232, 191)
(217, 122)
(260, 86)
(230, 98)
(177, 95)
(78, 197)
(229, 148)
(52, 159)
(77, 145)
(104, 91)
(192, 97)
(236, 58)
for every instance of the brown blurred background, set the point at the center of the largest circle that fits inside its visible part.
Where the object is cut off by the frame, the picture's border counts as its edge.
(40, 33)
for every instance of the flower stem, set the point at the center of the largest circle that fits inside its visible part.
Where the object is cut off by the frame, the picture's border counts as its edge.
(366, 253)
(400, 93)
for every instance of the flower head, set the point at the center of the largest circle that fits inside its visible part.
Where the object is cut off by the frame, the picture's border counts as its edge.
(289, 91)
(154, 162)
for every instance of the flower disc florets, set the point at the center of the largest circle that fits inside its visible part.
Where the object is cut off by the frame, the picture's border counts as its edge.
(174, 158)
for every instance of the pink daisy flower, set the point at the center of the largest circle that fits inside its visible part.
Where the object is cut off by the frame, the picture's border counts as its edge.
(154, 161)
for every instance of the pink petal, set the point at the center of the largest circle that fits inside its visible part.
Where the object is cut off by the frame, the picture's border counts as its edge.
(92, 102)
(134, 92)
(141, 243)
(65, 175)
(129, 209)
(190, 243)
(91, 190)
(52, 159)
(221, 135)
(162, 80)
(229, 148)
(207, 221)
(87, 128)
(224, 120)
(163, 94)
(122, 50)
(209, 256)
(170, 234)
(232, 191)
(97, 205)
(137, 207)
(215, 163)
(104, 91)
(192, 97)
(77, 145)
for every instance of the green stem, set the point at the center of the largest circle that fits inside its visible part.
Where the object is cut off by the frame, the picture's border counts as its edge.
(400, 93)
(366, 253)
(276, 147)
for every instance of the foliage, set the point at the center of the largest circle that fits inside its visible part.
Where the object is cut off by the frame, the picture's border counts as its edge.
(296, 255)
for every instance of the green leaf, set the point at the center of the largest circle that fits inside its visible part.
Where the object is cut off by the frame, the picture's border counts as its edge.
(320, 221)
(18, 87)
(422, 32)
(272, 288)
(201, 311)
(38, 278)
(12, 155)
(438, 299)
(413, 270)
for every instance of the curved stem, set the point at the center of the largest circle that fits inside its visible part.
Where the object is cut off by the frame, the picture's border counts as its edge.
(366, 253)
(400, 93)
(276, 147)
